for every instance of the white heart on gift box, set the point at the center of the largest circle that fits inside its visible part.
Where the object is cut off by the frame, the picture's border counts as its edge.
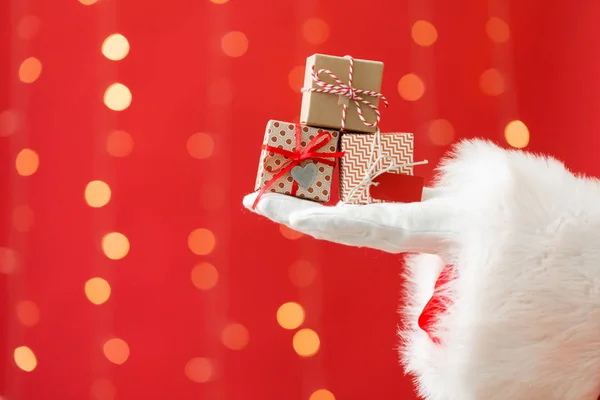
(305, 176)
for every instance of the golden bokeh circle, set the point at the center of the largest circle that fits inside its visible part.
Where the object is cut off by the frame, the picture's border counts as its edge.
(516, 134)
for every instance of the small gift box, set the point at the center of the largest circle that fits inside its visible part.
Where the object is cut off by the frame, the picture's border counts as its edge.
(342, 93)
(369, 168)
(297, 160)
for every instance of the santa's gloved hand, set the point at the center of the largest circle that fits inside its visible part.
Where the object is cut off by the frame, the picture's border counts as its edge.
(396, 228)
(518, 316)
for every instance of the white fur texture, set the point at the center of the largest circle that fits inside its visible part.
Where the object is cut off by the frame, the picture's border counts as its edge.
(524, 321)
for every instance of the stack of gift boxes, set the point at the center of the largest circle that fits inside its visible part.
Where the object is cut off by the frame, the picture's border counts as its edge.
(339, 120)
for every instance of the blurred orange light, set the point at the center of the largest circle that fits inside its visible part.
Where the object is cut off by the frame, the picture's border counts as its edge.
(491, 82)
(235, 336)
(205, 276)
(497, 30)
(290, 315)
(441, 132)
(8, 260)
(424, 33)
(115, 47)
(200, 145)
(97, 194)
(30, 70)
(28, 26)
(27, 162)
(289, 233)
(25, 358)
(97, 290)
(411, 87)
(516, 134)
(115, 245)
(117, 97)
(234, 44)
(322, 394)
(315, 31)
(116, 351)
(87, 2)
(9, 122)
(201, 241)
(28, 313)
(119, 143)
(22, 218)
(302, 273)
(199, 370)
(296, 78)
(306, 342)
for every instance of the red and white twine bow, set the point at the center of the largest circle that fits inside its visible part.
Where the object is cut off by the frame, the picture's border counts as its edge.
(342, 89)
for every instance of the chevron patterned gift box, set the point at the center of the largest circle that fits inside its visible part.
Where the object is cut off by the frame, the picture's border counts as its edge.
(371, 151)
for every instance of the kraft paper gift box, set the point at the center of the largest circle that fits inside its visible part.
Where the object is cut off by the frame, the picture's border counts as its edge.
(325, 109)
(297, 160)
(360, 153)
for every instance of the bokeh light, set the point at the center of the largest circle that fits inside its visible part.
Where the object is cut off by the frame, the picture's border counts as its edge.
(296, 78)
(28, 27)
(22, 218)
(97, 194)
(289, 233)
(290, 315)
(424, 33)
(322, 394)
(441, 132)
(25, 358)
(235, 336)
(103, 389)
(8, 260)
(497, 30)
(234, 44)
(28, 313)
(117, 97)
(491, 82)
(116, 351)
(205, 276)
(315, 31)
(201, 241)
(516, 134)
(9, 122)
(302, 273)
(115, 245)
(199, 370)
(27, 162)
(411, 87)
(200, 145)
(97, 290)
(306, 342)
(115, 47)
(87, 2)
(30, 70)
(119, 144)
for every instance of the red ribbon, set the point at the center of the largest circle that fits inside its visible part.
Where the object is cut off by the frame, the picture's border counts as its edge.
(298, 156)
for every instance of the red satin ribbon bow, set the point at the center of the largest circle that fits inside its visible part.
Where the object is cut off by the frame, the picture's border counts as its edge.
(298, 156)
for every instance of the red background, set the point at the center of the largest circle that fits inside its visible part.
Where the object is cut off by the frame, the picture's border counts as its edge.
(183, 83)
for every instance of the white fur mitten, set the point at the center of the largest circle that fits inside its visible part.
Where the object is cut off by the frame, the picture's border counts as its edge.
(516, 239)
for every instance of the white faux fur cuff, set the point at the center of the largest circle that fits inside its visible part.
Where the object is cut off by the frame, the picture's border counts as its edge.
(523, 322)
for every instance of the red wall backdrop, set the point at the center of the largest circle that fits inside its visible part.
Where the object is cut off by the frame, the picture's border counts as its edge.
(189, 288)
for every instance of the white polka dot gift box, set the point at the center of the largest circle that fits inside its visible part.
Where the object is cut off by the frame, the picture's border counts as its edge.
(297, 160)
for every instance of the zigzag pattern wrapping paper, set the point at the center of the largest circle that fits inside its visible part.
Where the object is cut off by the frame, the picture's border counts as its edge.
(354, 164)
